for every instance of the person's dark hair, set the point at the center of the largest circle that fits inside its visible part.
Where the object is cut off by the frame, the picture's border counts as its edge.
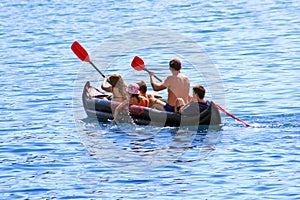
(136, 96)
(199, 90)
(143, 86)
(175, 64)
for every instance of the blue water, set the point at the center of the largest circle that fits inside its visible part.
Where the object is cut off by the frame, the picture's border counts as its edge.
(50, 150)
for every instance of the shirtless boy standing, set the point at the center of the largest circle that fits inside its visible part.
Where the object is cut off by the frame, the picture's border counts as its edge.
(178, 86)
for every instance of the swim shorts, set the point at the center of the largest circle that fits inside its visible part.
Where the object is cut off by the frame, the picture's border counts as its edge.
(169, 108)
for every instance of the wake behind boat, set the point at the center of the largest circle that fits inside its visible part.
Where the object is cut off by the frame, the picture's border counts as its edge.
(96, 106)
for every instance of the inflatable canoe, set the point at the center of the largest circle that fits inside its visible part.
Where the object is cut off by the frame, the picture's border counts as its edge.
(96, 106)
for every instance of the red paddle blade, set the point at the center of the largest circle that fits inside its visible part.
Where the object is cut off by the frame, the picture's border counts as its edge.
(80, 52)
(138, 64)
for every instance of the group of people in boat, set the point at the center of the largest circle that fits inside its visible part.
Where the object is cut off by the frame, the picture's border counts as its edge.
(177, 84)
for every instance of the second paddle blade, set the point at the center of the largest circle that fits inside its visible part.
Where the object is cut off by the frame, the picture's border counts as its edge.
(138, 64)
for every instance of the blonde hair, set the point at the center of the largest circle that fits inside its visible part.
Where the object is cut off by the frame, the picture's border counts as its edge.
(117, 81)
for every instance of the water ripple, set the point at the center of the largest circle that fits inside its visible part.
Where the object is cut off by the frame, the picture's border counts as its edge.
(46, 155)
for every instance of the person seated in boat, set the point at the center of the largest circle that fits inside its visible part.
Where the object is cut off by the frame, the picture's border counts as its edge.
(143, 92)
(134, 99)
(117, 87)
(178, 86)
(197, 104)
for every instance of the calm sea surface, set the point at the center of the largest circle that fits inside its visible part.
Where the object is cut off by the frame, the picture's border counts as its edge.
(49, 149)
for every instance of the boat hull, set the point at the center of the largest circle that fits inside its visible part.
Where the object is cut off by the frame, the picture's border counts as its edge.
(100, 108)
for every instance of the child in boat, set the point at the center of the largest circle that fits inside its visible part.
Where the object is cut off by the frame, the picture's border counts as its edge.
(143, 92)
(197, 104)
(134, 99)
(117, 87)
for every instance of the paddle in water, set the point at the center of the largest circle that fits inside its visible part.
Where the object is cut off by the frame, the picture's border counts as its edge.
(82, 54)
(138, 64)
(230, 115)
